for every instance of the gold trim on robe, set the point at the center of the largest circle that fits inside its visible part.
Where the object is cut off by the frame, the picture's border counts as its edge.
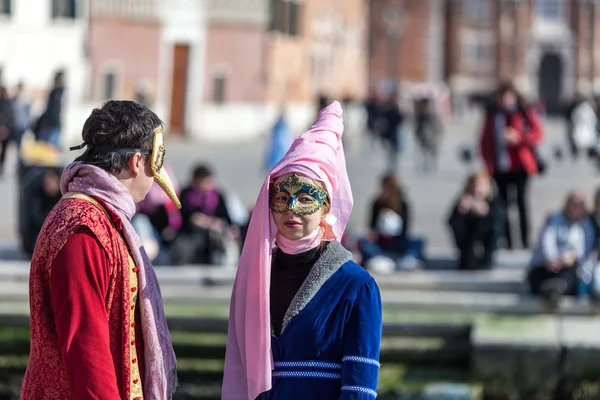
(136, 384)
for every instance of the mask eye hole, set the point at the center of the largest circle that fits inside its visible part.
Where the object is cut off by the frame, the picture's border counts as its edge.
(160, 158)
(306, 199)
(280, 198)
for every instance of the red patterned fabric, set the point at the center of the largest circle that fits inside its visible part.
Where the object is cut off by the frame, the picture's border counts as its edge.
(46, 376)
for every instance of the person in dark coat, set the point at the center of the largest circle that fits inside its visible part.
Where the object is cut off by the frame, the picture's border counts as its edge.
(7, 125)
(474, 221)
(47, 128)
(389, 123)
(428, 132)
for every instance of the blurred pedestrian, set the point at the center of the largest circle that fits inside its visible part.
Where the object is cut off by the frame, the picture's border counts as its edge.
(389, 124)
(511, 133)
(7, 126)
(279, 141)
(428, 133)
(582, 135)
(48, 125)
(22, 110)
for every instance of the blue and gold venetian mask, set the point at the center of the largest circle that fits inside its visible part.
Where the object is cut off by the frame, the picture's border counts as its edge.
(301, 198)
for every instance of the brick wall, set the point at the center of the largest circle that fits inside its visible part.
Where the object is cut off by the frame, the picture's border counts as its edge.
(239, 52)
(411, 50)
(128, 48)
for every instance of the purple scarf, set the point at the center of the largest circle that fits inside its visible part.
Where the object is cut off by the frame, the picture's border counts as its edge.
(206, 201)
(160, 379)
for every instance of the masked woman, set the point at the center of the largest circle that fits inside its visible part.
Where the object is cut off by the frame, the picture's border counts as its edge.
(305, 320)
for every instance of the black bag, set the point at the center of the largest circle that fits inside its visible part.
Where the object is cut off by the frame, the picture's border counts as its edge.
(542, 165)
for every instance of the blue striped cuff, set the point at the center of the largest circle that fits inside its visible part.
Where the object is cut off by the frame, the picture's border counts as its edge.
(360, 389)
(361, 360)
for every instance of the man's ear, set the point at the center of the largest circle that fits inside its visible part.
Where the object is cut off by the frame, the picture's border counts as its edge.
(136, 164)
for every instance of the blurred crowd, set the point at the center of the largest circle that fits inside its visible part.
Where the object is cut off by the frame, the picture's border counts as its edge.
(210, 227)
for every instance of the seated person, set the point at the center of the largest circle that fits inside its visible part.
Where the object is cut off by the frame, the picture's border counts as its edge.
(473, 222)
(564, 245)
(43, 200)
(389, 230)
(205, 222)
(595, 219)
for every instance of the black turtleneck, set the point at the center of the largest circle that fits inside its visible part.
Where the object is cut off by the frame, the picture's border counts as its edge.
(288, 273)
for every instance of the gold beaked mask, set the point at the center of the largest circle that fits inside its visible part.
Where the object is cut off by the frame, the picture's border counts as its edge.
(157, 158)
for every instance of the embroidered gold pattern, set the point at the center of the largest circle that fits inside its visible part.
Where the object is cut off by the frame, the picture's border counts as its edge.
(136, 391)
(136, 384)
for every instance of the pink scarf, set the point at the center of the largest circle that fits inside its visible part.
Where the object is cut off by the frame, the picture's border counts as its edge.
(161, 366)
(316, 154)
(299, 246)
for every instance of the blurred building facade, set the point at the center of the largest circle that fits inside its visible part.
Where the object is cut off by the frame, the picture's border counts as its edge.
(266, 54)
(40, 37)
(151, 51)
(548, 47)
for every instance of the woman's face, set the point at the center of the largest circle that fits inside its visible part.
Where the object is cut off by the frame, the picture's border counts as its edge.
(297, 205)
(508, 100)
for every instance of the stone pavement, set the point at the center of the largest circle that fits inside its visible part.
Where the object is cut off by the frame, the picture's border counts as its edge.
(238, 170)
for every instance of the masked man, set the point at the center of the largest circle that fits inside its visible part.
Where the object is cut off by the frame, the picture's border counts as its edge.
(98, 328)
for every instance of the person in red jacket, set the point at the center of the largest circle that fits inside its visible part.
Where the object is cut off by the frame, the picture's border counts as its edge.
(98, 328)
(511, 133)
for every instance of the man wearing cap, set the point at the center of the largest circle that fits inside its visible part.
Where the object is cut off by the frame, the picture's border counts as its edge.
(98, 328)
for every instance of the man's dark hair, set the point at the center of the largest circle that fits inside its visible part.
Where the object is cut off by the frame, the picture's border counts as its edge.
(202, 171)
(117, 125)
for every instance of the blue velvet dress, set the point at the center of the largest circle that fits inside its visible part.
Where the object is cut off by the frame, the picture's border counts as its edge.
(329, 345)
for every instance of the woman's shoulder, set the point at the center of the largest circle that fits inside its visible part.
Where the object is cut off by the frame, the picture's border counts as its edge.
(355, 275)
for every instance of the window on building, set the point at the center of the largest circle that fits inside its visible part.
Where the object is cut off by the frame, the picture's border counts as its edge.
(294, 18)
(549, 9)
(478, 52)
(5, 7)
(478, 10)
(109, 85)
(64, 9)
(286, 16)
(219, 87)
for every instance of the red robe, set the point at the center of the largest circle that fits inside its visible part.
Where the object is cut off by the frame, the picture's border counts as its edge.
(86, 338)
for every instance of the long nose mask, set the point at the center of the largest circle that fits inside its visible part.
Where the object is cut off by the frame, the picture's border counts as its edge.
(157, 158)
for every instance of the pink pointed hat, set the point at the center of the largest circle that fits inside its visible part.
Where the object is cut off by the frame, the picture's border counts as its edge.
(317, 154)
